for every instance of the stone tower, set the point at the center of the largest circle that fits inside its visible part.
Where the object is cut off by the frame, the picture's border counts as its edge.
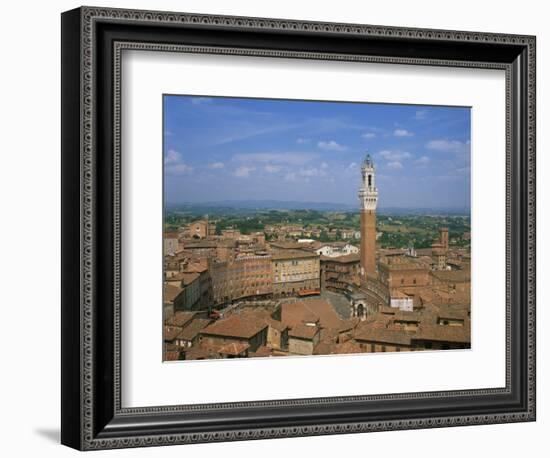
(368, 198)
(444, 237)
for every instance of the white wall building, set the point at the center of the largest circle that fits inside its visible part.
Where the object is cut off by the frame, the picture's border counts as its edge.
(401, 301)
(333, 250)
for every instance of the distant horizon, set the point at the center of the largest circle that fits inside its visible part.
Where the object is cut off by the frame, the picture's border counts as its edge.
(229, 148)
(320, 202)
(310, 206)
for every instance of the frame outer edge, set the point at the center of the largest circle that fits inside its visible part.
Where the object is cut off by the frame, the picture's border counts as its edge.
(71, 305)
(86, 130)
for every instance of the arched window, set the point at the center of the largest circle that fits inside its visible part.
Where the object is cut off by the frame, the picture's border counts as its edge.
(370, 180)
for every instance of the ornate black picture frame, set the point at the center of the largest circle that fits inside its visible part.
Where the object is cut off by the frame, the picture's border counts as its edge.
(92, 42)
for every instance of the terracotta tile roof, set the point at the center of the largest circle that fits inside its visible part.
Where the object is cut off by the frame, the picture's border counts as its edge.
(410, 317)
(328, 335)
(349, 324)
(172, 355)
(301, 331)
(171, 292)
(384, 336)
(189, 277)
(453, 276)
(261, 352)
(262, 315)
(234, 348)
(346, 259)
(292, 254)
(192, 329)
(196, 268)
(201, 244)
(235, 326)
(452, 314)
(288, 245)
(398, 263)
(171, 332)
(202, 352)
(324, 348)
(310, 311)
(180, 319)
(435, 332)
(349, 347)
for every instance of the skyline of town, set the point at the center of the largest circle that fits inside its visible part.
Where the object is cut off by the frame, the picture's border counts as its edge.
(272, 283)
(311, 151)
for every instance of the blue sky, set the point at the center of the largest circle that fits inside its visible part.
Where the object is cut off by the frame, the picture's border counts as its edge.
(218, 148)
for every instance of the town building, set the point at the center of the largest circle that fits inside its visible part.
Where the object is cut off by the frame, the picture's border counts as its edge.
(190, 284)
(199, 229)
(202, 248)
(173, 297)
(401, 272)
(302, 339)
(336, 272)
(246, 277)
(294, 271)
(401, 301)
(171, 244)
(335, 249)
(234, 329)
(439, 255)
(444, 238)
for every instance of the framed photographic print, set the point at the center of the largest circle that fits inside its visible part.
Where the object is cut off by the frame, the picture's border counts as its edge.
(278, 228)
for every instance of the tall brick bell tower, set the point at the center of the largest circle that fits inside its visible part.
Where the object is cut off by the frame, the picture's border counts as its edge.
(368, 198)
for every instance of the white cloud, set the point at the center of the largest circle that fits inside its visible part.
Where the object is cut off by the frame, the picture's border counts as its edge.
(324, 165)
(173, 164)
(402, 133)
(305, 174)
(243, 171)
(352, 166)
(301, 141)
(178, 169)
(369, 135)
(312, 172)
(200, 100)
(424, 160)
(449, 146)
(394, 155)
(172, 157)
(420, 114)
(394, 165)
(216, 165)
(289, 158)
(270, 168)
(331, 145)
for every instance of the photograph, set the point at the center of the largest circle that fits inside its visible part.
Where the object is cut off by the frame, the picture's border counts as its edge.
(313, 228)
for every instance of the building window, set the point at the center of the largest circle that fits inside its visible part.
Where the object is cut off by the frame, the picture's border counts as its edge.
(370, 180)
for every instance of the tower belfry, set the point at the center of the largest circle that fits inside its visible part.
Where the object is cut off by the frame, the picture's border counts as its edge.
(368, 198)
